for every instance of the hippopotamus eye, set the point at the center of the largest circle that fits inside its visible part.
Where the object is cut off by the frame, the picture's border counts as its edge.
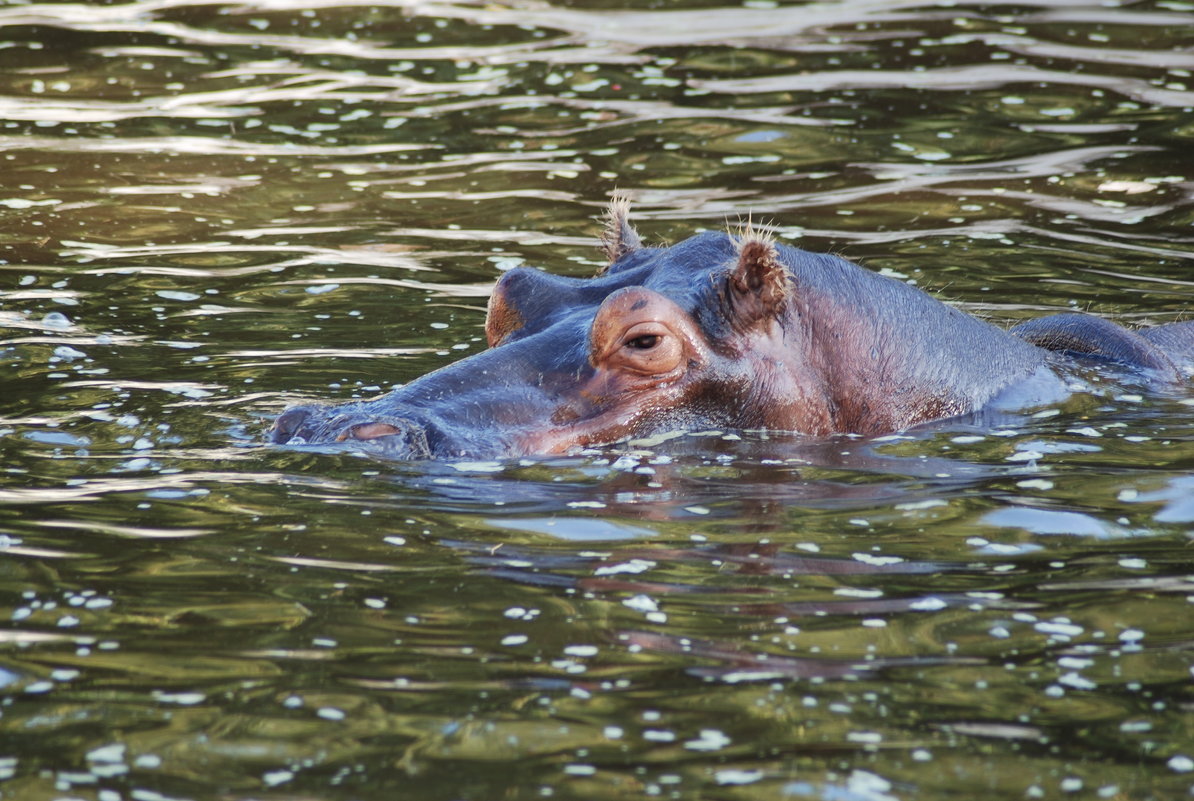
(644, 342)
(643, 337)
(647, 348)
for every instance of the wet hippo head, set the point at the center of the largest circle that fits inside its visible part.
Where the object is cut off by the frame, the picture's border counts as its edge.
(716, 331)
(656, 342)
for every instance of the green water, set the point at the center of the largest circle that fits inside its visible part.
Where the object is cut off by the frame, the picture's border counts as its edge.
(211, 211)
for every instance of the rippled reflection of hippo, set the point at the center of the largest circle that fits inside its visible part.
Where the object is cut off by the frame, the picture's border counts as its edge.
(719, 331)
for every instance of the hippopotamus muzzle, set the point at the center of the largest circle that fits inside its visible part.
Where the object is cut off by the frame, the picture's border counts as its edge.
(399, 437)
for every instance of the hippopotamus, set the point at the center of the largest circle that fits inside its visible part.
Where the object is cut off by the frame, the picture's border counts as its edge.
(725, 330)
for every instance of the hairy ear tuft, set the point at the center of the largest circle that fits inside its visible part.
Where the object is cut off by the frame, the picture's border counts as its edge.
(619, 238)
(758, 285)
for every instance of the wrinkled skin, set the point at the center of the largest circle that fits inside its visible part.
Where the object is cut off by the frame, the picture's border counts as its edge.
(717, 331)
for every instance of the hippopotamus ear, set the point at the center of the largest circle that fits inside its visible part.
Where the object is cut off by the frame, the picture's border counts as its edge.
(619, 237)
(757, 286)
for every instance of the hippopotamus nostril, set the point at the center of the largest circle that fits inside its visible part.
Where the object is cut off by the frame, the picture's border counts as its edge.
(288, 424)
(375, 430)
(396, 434)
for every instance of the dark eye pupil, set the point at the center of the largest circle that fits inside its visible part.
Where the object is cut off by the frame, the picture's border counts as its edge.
(645, 342)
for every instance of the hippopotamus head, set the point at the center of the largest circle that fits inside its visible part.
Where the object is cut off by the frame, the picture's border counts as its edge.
(719, 331)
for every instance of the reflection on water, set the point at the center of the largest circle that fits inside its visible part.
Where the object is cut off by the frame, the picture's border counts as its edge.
(211, 211)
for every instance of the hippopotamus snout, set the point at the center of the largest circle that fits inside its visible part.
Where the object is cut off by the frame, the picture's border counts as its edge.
(292, 424)
(401, 436)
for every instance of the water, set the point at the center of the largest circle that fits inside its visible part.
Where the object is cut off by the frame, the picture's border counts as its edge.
(212, 211)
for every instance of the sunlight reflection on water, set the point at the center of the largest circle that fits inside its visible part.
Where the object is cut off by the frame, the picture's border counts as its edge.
(212, 211)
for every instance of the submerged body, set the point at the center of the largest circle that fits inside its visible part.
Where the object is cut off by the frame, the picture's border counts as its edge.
(716, 332)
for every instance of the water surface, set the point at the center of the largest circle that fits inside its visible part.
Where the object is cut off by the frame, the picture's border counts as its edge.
(211, 211)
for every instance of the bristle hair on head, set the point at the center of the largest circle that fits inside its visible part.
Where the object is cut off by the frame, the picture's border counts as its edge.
(618, 207)
(618, 237)
(746, 233)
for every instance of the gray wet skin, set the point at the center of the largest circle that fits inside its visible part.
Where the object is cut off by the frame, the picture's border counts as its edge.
(718, 331)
